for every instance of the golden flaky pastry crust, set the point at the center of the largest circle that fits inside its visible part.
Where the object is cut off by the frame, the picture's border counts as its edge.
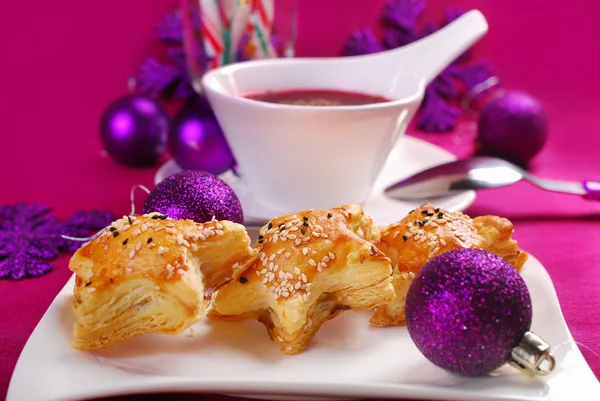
(310, 267)
(152, 274)
(427, 232)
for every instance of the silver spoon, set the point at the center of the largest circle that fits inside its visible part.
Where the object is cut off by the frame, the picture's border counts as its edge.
(480, 173)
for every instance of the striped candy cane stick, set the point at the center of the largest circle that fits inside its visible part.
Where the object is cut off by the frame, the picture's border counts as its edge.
(212, 29)
(261, 22)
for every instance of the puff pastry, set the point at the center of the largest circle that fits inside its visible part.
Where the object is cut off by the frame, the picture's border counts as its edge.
(310, 267)
(427, 232)
(152, 274)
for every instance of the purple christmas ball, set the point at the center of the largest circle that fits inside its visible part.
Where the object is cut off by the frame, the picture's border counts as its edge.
(466, 310)
(195, 195)
(513, 126)
(196, 141)
(134, 130)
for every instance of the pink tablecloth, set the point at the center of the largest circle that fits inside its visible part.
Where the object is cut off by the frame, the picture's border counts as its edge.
(66, 63)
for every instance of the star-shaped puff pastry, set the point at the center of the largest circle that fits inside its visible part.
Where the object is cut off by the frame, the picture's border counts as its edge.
(427, 232)
(310, 266)
(152, 274)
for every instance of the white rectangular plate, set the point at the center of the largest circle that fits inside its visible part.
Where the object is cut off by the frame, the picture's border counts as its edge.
(347, 359)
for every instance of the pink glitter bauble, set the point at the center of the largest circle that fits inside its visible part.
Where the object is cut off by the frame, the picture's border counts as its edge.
(195, 195)
(512, 126)
(466, 310)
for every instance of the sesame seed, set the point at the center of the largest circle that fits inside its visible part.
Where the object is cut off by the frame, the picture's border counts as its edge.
(442, 242)
(128, 270)
(262, 256)
(275, 239)
(194, 247)
(161, 250)
(305, 239)
(181, 272)
(292, 229)
(219, 226)
(257, 273)
(91, 289)
(265, 261)
(219, 232)
(235, 265)
(138, 246)
(325, 259)
(287, 255)
(396, 234)
(297, 271)
(143, 228)
(170, 224)
(411, 274)
(436, 250)
(279, 252)
(157, 287)
(272, 257)
(281, 274)
(292, 236)
(263, 271)
(271, 265)
(298, 241)
(131, 254)
(432, 243)
(323, 235)
(170, 268)
(304, 251)
(316, 234)
(303, 278)
(312, 262)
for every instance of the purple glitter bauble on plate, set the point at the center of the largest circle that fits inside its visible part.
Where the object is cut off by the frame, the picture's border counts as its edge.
(196, 141)
(513, 126)
(466, 310)
(134, 130)
(195, 195)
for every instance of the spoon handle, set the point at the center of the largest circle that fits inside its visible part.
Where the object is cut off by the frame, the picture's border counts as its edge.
(592, 190)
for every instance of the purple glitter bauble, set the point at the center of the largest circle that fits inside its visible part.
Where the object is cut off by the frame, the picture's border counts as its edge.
(196, 141)
(134, 130)
(195, 195)
(466, 310)
(513, 126)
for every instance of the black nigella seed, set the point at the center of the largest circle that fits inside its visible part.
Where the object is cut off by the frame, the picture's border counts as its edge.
(305, 218)
(149, 240)
(405, 238)
(112, 229)
(425, 221)
(129, 219)
(305, 224)
(88, 283)
(329, 215)
(429, 214)
(126, 241)
(163, 217)
(440, 215)
(115, 234)
(303, 230)
(281, 228)
(260, 239)
(415, 223)
(156, 216)
(420, 223)
(270, 226)
(243, 280)
(424, 212)
(412, 211)
(437, 210)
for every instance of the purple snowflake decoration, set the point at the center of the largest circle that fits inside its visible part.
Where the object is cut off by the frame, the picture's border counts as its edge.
(362, 42)
(438, 112)
(30, 236)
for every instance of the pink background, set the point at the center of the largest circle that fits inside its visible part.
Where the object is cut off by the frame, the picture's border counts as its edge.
(63, 61)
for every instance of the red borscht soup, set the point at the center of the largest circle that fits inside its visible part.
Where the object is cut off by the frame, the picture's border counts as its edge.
(316, 97)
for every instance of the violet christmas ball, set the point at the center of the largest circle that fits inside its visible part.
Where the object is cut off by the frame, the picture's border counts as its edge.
(195, 195)
(196, 141)
(466, 310)
(513, 126)
(133, 130)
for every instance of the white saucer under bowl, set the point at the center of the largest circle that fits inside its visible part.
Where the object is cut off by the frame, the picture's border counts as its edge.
(409, 156)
